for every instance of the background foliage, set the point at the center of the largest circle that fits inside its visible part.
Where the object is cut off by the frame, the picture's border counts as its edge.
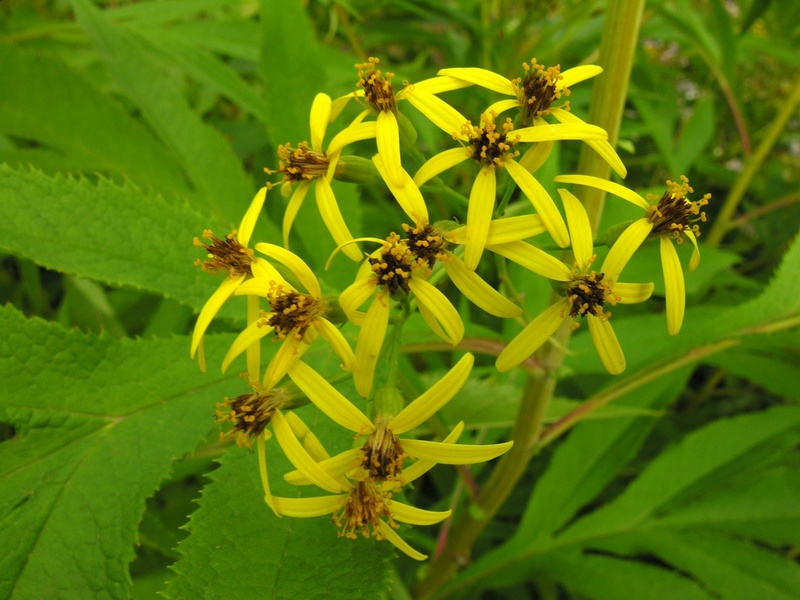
(128, 128)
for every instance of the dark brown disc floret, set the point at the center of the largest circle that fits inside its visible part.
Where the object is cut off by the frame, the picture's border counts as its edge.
(537, 90)
(425, 242)
(249, 414)
(292, 312)
(300, 164)
(674, 213)
(226, 255)
(394, 265)
(362, 510)
(378, 90)
(588, 295)
(486, 144)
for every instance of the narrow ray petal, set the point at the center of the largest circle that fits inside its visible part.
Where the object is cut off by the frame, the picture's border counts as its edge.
(420, 467)
(530, 339)
(407, 195)
(301, 459)
(502, 106)
(434, 85)
(332, 216)
(477, 290)
(319, 118)
(608, 347)
(254, 349)
(334, 466)
(549, 133)
(387, 137)
(337, 341)
(249, 336)
(308, 507)
(262, 469)
(609, 186)
(438, 112)
(429, 402)
(290, 351)
(264, 271)
(337, 106)
(535, 156)
(310, 441)
(368, 347)
(328, 399)
(541, 201)
(260, 286)
(482, 77)
(355, 295)
(211, 308)
(479, 215)
(351, 134)
(633, 293)
(391, 535)
(250, 217)
(578, 74)
(417, 516)
(622, 250)
(533, 259)
(440, 163)
(673, 284)
(295, 202)
(695, 260)
(454, 454)
(440, 308)
(580, 230)
(602, 147)
(295, 264)
(508, 229)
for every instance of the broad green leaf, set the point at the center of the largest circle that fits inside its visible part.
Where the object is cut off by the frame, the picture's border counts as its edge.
(237, 38)
(240, 549)
(109, 233)
(696, 135)
(206, 156)
(163, 12)
(97, 424)
(85, 129)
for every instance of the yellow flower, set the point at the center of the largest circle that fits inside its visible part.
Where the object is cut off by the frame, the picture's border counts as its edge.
(233, 257)
(586, 293)
(494, 149)
(670, 217)
(393, 270)
(295, 317)
(364, 479)
(249, 414)
(534, 95)
(307, 165)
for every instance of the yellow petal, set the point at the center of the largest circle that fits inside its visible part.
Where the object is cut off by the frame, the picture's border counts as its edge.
(338, 105)
(407, 194)
(264, 271)
(622, 250)
(479, 215)
(633, 293)
(352, 134)
(535, 156)
(609, 186)
(602, 147)
(674, 285)
(608, 347)
(211, 308)
(351, 299)
(290, 351)
(434, 85)
(319, 118)
(429, 402)
(578, 74)
(695, 260)
(436, 304)
(533, 259)
(310, 442)
(328, 399)
(254, 349)
(298, 456)
(334, 466)
(507, 229)
(391, 535)
(454, 454)
(530, 339)
(482, 77)
(293, 208)
(541, 201)
(549, 133)
(249, 336)
(250, 217)
(477, 290)
(502, 106)
(295, 264)
(439, 164)
(262, 468)
(337, 341)
(420, 467)
(308, 507)
(438, 112)
(261, 286)
(387, 137)
(580, 229)
(329, 210)
(368, 347)
(417, 516)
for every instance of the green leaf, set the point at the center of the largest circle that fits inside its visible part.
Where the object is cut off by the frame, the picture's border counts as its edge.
(240, 549)
(210, 164)
(85, 129)
(114, 234)
(97, 423)
(696, 135)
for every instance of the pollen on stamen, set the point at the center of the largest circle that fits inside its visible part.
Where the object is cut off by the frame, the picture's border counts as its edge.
(426, 243)
(378, 89)
(249, 414)
(299, 164)
(226, 254)
(394, 265)
(673, 213)
(486, 144)
(383, 455)
(588, 295)
(362, 510)
(538, 90)
(292, 312)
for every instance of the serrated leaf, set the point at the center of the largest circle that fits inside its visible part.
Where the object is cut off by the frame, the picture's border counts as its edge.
(97, 424)
(85, 128)
(205, 155)
(113, 234)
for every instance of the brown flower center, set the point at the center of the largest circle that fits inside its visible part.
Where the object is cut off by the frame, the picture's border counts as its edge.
(383, 456)
(362, 510)
(537, 90)
(486, 144)
(292, 312)
(225, 255)
(249, 414)
(425, 242)
(588, 295)
(394, 265)
(674, 213)
(300, 164)
(378, 90)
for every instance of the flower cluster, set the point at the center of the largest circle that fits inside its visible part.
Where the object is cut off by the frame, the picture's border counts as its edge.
(439, 269)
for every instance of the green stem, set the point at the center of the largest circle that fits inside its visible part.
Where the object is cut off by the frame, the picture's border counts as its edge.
(617, 50)
(723, 218)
